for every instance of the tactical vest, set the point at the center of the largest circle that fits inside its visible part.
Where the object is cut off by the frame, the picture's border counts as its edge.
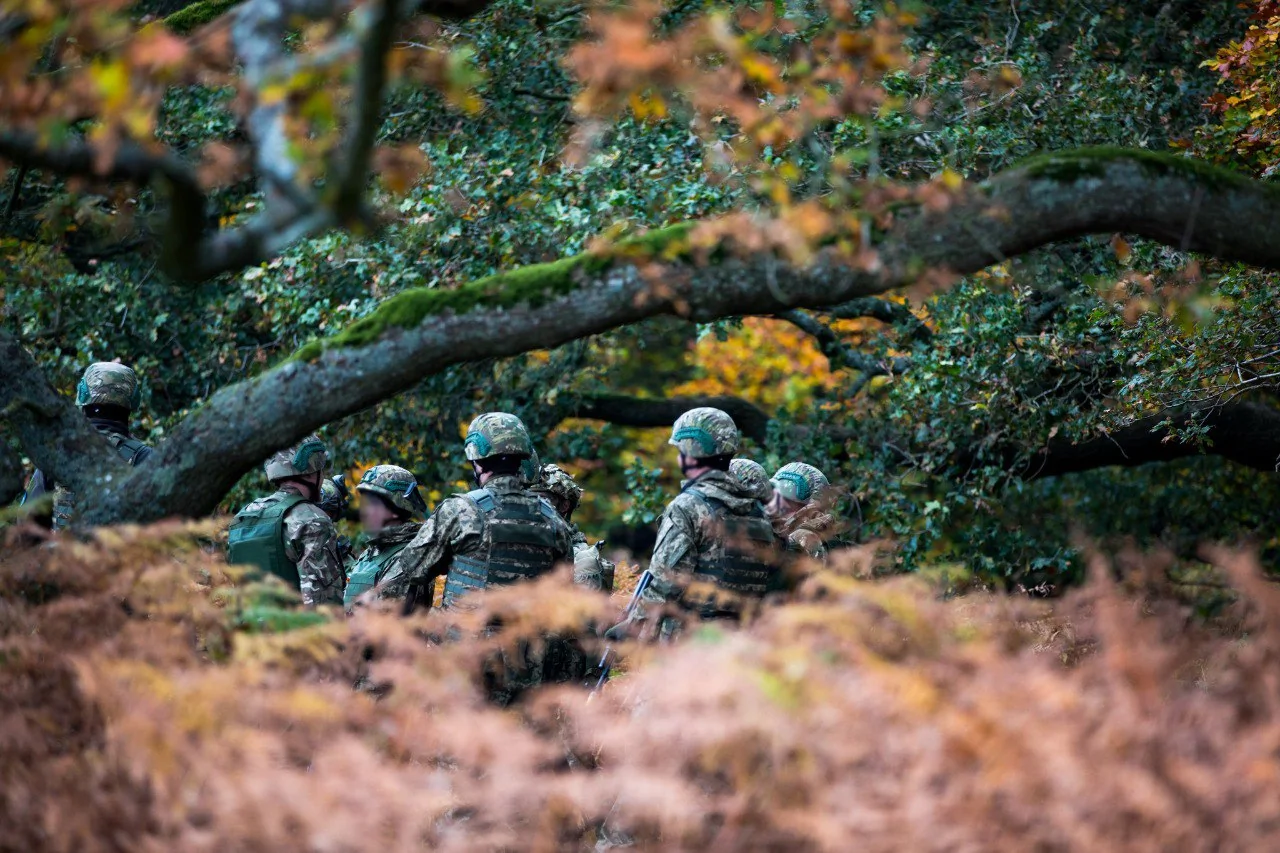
(256, 538)
(748, 564)
(522, 544)
(365, 571)
(64, 500)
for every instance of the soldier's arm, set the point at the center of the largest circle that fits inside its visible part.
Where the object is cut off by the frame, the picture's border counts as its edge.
(320, 574)
(427, 556)
(675, 556)
(808, 542)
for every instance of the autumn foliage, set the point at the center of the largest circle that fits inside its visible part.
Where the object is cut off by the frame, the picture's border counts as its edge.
(153, 700)
(1248, 131)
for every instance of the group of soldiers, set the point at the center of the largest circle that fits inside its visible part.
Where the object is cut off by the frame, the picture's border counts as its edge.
(724, 540)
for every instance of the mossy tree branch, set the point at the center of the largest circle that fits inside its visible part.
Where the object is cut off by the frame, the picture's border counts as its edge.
(51, 430)
(1245, 433)
(1179, 202)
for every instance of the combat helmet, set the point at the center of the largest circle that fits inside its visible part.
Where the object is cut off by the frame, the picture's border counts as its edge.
(754, 477)
(557, 482)
(531, 471)
(306, 457)
(397, 486)
(703, 432)
(497, 434)
(800, 482)
(334, 496)
(106, 383)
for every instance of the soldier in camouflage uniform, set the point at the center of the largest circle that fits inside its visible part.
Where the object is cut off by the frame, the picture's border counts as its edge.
(391, 508)
(590, 568)
(286, 533)
(799, 509)
(714, 533)
(107, 394)
(500, 533)
(754, 477)
(335, 497)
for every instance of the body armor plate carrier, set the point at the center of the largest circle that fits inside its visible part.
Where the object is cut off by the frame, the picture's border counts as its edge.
(256, 538)
(522, 544)
(365, 571)
(749, 565)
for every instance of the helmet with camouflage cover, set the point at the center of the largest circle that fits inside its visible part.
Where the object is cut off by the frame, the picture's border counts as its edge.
(334, 496)
(800, 482)
(106, 383)
(703, 432)
(396, 485)
(497, 434)
(531, 471)
(306, 457)
(754, 477)
(557, 482)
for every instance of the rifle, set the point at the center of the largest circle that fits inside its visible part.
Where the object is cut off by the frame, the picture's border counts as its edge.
(606, 660)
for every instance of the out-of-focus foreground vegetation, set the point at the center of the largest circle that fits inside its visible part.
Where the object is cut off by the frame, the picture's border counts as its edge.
(151, 703)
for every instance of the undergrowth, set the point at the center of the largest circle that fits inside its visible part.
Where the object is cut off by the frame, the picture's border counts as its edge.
(150, 698)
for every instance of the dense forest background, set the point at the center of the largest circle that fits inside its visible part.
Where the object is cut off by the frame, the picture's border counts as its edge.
(971, 426)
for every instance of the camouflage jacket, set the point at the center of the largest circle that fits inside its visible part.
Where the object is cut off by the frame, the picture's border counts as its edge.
(375, 560)
(310, 543)
(690, 536)
(129, 449)
(807, 531)
(457, 528)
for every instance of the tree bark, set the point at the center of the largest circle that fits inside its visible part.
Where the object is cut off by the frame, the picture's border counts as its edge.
(1182, 203)
(53, 432)
(11, 482)
(1245, 433)
(621, 410)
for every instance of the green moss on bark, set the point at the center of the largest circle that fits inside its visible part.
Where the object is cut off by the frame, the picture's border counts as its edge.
(530, 286)
(1083, 163)
(196, 15)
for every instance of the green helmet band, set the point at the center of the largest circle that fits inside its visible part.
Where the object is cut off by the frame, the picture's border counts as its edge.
(801, 484)
(705, 439)
(305, 451)
(482, 444)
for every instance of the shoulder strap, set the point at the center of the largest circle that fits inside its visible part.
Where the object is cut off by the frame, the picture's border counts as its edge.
(547, 509)
(714, 503)
(131, 450)
(289, 503)
(273, 509)
(482, 498)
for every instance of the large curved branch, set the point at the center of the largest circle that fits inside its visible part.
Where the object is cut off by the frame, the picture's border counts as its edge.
(131, 163)
(52, 431)
(1183, 203)
(1245, 433)
(11, 482)
(622, 410)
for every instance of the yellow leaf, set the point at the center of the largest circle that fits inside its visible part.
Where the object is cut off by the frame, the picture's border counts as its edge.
(112, 79)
